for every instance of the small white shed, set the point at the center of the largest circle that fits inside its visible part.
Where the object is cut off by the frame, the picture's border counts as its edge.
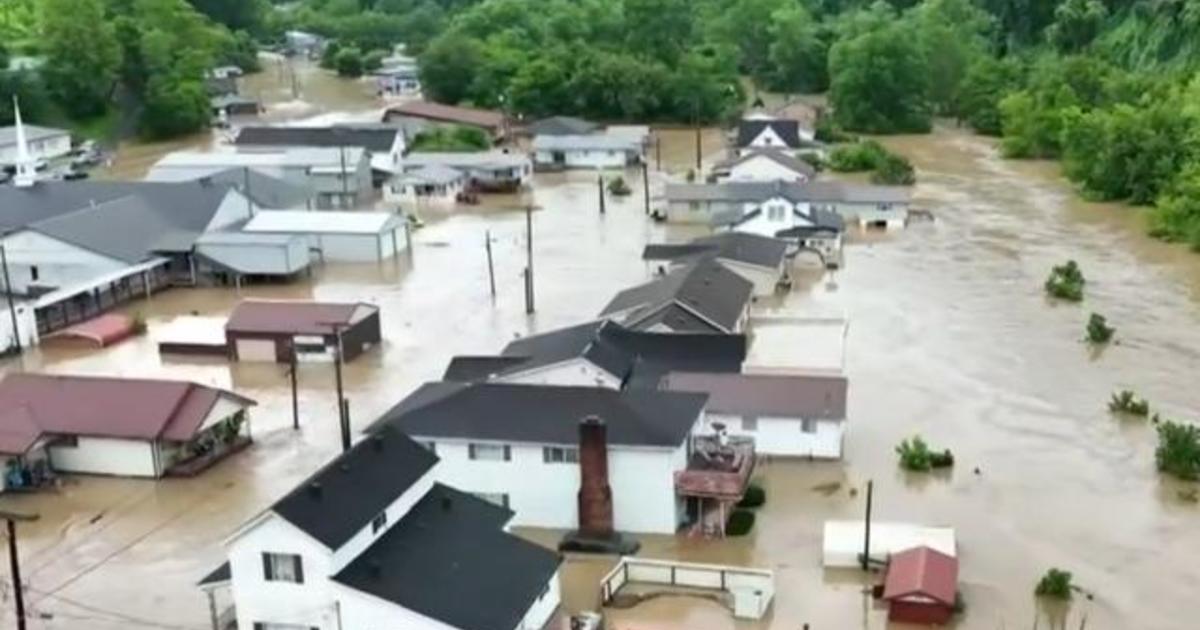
(843, 541)
(343, 236)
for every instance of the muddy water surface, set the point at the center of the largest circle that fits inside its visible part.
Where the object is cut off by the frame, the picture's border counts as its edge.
(950, 336)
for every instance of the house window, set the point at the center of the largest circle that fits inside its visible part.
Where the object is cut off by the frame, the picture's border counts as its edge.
(775, 212)
(749, 423)
(492, 452)
(808, 425)
(378, 522)
(282, 567)
(495, 498)
(560, 455)
(33, 273)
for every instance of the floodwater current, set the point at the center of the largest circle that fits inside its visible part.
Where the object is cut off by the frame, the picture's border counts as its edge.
(950, 336)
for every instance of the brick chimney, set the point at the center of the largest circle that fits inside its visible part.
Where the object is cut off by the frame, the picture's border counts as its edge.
(595, 495)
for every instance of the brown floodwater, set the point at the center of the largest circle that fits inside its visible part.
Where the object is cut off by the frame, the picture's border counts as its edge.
(950, 337)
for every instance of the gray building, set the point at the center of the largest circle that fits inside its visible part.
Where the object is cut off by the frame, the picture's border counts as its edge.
(337, 177)
(727, 203)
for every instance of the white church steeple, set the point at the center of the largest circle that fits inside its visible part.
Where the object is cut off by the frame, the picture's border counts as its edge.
(26, 171)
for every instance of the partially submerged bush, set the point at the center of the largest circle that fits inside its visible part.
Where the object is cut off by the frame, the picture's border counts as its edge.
(859, 156)
(915, 455)
(893, 170)
(1066, 282)
(740, 523)
(1127, 402)
(1055, 584)
(1178, 450)
(755, 497)
(618, 187)
(1098, 330)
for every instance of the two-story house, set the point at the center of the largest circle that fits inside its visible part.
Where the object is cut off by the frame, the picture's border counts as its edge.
(763, 260)
(372, 541)
(518, 446)
(700, 297)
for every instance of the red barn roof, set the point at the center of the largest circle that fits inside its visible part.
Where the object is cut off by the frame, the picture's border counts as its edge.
(126, 408)
(441, 112)
(292, 317)
(922, 571)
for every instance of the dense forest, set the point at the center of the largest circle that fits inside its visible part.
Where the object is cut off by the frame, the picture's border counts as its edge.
(1106, 86)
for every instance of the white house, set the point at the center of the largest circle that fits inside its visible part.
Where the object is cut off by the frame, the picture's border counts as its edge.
(596, 151)
(760, 259)
(436, 185)
(397, 77)
(518, 446)
(785, 415)
(485, 170)
(765, 132)
(343, 236)
(601, 354)
(385, 144)
(372, 540)
(45, 143)
(338, 177)
(114, 426)
(764, 165)
(702, 297)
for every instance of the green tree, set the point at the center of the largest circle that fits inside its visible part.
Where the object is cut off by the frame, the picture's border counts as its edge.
(244, 15)
(174, 106)
(879, 82)
(953, 34)
(349, 62)
(659, 29)
(4, 57)
(543, 86)
(799, 53)
(987, 82)
(374, 60)
(240, 50)
(1176, 215)
(82, 55)
(749, 25)
(448, 67)
(329, 55)
(1076, 24)
(29, 89)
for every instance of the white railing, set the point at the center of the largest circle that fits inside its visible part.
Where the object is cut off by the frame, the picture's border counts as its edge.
(752, 589)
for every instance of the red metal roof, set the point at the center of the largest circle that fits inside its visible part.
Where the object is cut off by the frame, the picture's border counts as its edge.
(922, 571)
(291, 317)
(126, 408)
(105, 330)
(18, 431)
(450, 113)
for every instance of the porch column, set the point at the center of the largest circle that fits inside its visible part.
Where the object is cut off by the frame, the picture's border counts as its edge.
(212, 608)
(146, 282)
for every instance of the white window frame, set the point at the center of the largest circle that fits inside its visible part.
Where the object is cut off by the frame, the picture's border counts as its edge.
(498, 452)
(560, 455)
(283, 567)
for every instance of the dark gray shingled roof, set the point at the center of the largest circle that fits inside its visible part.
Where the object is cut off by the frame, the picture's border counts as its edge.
(265, 191)
(377, 138)
(561, 126)
(548, 414)
(787, 130)
(751, 249)
(472, 369)
(705, 289)
(343, 496)
(449, 559)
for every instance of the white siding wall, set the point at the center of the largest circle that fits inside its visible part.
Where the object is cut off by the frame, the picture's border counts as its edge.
(234, 207)
(761, 168)
(43, 149)
(784, 436)
(363, 611)
(309, 604)
(764, 280)
(348, 247)
(768, 138)
(541, 609)
(642, 481)
(576, 372)
(58, 264)
(586, 159)
(105, 456)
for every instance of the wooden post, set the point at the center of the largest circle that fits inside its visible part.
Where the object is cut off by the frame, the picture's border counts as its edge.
(491, 269)
(529, 299)
(212, 610)
(341, 397)
(646, 187)
(14, 563)
(600, 190)
(657, 152)
(866, 557)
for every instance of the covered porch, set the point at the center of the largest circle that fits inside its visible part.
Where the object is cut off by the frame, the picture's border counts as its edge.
(67, 306)
(715, 480)
(209, 445)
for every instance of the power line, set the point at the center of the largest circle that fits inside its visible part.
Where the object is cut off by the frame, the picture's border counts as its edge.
(114, 615)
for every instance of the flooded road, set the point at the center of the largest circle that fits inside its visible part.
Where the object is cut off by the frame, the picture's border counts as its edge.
(950, 337)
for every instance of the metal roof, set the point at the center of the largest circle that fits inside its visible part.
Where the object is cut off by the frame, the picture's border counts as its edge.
(816, 191)
(782, 158)
(432, 174)
(377, 138)
(293, 316)
(465, 159)
(561, 126)
(588, 142)
(786, 396)
(787, 130)
(449, 113)
(323, 222)
(275, 157)
(923, 573)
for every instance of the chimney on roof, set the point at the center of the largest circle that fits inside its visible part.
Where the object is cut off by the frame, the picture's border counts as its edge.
(314, 490)
(595, 495)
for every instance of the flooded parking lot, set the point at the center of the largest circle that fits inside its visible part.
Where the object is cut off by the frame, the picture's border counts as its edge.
(950, 336)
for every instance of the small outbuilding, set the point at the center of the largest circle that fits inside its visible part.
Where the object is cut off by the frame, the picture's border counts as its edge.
(262, 330)
(920, 586)
(344, 236)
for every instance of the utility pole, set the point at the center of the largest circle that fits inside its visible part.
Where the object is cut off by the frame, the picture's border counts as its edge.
(529, 260)
(600, 190)
(295, 396)
(341, 395)
(866, 555)
(346, 425)
(696, 121)
(646, 186)
(12, 309)
(657, 152)
(14, 561)
(345, 183)
(491, 269)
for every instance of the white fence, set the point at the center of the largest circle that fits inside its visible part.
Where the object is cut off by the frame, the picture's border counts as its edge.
(752, 589)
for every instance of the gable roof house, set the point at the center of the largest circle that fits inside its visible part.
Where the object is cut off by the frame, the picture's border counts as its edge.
(493, 122)
(561, 126)
(601, 354)
(268, 330)
(44, 143)
(761, 260)
(385, 144)
(770, 133)
(764, 165)
(702, 297)
(114, 426)
(493, 438)
(595, 151)
(497, 170)
(785, 415)
(921, 586)
(373, 540)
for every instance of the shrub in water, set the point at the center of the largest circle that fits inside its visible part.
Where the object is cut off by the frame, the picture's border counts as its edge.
(1128, 402)
(1066, 282)
(1098, 330)
(1055, 584)
(618, 187)
(740, 523)
(915, 455)
(755, 497)
(1178, 450)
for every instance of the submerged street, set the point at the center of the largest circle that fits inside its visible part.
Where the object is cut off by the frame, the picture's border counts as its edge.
(950, 336)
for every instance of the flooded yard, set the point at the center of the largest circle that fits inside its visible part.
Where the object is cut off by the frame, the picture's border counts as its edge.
(950, 336)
